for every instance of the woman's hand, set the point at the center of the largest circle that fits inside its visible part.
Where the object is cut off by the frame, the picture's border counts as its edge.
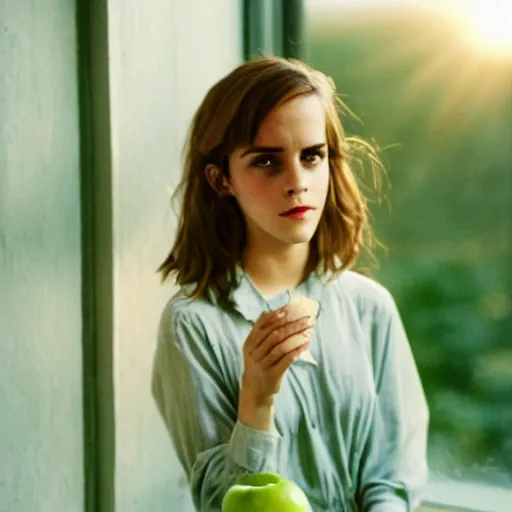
(272, 345)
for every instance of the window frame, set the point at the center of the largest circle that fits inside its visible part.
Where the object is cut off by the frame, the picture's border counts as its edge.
(273, 27)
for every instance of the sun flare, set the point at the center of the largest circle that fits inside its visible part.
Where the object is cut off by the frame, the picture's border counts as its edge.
(489, 24)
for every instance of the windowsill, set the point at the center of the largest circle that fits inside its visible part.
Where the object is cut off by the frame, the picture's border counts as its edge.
(452, 495)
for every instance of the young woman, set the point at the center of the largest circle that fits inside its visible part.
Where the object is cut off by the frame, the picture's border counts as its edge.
(271, 208)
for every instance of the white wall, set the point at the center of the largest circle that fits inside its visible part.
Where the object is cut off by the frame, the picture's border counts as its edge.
(41, 429)
(164, 55)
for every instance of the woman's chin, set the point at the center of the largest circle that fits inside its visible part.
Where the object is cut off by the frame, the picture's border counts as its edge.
(296, 236)
(299, 237)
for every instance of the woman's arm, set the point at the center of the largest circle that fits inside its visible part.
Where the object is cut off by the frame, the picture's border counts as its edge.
(394, 468)
(200, 412)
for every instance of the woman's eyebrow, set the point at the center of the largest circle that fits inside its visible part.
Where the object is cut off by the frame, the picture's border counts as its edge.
(262, 149)
(272, 149)
(315, 147)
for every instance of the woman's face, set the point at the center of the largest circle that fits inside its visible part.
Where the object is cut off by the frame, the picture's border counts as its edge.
(286, 167)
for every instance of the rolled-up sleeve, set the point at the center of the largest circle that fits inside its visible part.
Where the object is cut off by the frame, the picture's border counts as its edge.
(394, 468)
(199, 409)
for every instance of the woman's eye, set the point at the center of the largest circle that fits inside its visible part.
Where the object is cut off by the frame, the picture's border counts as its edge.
(264, 162)
(313, 158)
(271, 162)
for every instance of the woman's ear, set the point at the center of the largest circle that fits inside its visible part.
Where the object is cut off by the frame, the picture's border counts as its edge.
(218, 181)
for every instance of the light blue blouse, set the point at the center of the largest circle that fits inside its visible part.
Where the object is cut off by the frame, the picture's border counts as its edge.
(351, 424)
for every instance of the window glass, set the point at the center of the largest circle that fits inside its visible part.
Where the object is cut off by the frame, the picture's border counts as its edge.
(431, 83)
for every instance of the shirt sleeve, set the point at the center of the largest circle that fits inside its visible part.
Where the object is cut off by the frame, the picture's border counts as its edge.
(199, 409)
(394, 459)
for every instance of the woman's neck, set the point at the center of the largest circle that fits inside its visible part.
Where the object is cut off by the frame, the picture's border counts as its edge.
(275, 271)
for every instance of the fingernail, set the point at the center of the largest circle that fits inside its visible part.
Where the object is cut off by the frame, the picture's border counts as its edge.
(282, 313)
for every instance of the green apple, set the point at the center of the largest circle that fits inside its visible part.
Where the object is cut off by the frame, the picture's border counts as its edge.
(265, 492)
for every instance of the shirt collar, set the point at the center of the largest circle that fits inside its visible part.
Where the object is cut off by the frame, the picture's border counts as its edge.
(249, 302)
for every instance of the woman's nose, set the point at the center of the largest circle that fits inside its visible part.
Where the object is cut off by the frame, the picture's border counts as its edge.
(295, 180)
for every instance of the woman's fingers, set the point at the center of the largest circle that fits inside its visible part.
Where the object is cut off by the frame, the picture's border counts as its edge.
(267, 323)
(268, 320)
(287, 346)
(273, 343)
(274, 339)
(269, 317)
(282, 364)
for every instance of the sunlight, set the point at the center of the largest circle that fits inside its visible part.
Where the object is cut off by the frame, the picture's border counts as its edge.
(487, 23)
(456, 51)
(490, 24)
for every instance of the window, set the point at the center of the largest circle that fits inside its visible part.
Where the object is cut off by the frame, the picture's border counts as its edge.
(433, 84)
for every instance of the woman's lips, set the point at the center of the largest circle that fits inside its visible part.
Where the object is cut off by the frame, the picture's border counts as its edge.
(296, 213)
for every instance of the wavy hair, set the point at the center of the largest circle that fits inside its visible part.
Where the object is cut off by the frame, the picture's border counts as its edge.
(211, 233)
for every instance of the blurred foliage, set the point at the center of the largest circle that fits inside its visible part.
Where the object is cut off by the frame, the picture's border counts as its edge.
(445, 112)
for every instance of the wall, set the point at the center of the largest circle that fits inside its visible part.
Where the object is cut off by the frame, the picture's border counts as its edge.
(150, 66)
(41, 440)
(163, 55)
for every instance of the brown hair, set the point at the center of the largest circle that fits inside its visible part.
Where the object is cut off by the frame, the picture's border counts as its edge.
(211, 231)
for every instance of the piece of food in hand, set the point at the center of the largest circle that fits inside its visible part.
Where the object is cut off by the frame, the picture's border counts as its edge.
(300, 307)
(265, 492)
